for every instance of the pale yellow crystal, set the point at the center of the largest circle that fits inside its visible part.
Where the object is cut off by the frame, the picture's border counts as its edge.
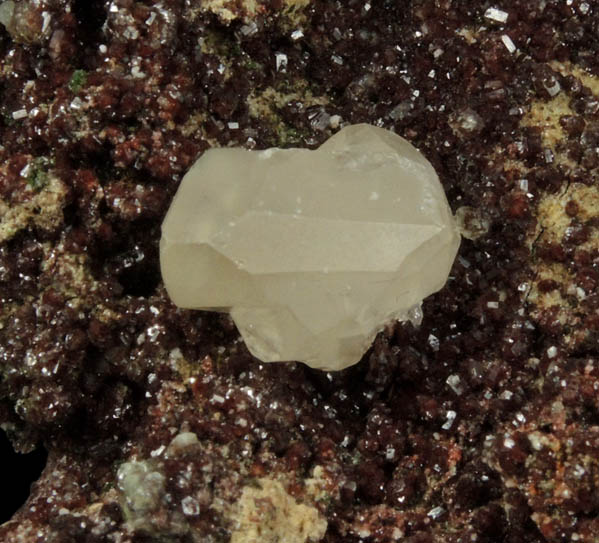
(312, 252)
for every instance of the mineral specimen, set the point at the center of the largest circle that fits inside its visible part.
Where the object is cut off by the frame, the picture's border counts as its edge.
(312, 252)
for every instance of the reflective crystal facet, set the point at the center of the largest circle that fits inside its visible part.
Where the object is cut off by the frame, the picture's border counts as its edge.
(312, 252)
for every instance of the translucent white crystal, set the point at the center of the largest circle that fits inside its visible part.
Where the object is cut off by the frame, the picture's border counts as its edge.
(497, 15)
(292, 242)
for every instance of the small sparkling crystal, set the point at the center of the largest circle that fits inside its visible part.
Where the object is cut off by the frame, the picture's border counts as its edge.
(312, 252)
(497, 15)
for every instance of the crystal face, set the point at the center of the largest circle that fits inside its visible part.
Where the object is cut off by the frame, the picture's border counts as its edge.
(312, 252)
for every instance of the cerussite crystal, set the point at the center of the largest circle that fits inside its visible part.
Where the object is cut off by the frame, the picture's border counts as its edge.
(312, 252)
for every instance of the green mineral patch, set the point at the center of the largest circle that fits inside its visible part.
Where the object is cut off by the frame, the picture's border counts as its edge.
(78, 80)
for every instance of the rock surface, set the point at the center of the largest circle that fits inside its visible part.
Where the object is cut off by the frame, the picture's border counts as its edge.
(479, 425)
(313, 252)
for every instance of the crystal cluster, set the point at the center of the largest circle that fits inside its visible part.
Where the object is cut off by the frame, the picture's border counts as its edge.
(312, 252)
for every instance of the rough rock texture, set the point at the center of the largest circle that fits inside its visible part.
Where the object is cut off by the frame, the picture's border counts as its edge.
(481, 424)
(312, 252)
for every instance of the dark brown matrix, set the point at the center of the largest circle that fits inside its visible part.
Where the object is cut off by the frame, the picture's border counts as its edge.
(480, 425)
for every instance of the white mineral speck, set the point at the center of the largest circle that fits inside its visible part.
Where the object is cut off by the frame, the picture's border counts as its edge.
(401, 110)
(153, 331)
(19, 114)
(536, 440)
(281, 62)
(455, 384)
(296, 35)
(158, 451)
(509, 44)
(182, 442)
(320, 120)
(436, 512)
(233, 125)
(470, 121)
(552, 352)
(131, 33)
(415, 314)
(46, 17)
(190, 506)
(30, 358)
(77, 103)
(451, 416)
(433, 341)
(249, 29)
(554, 89)
(137, 73)
(141, 485)
(506, 395)
(496, 15)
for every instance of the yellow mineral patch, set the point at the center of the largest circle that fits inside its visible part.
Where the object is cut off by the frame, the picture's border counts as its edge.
(195, 125)
(552, 215)
(567, 68)
(553, 222)
(71, 273)
(546, 115)
(266, 513)
(469, 34)
(296, 4)
(294, 14)
(264, 104)
(43, 210)
(321, 486)
(587, 199)
(229, 10)
(544, 300)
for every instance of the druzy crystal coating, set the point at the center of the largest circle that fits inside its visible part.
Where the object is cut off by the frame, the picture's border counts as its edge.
(311, 251)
